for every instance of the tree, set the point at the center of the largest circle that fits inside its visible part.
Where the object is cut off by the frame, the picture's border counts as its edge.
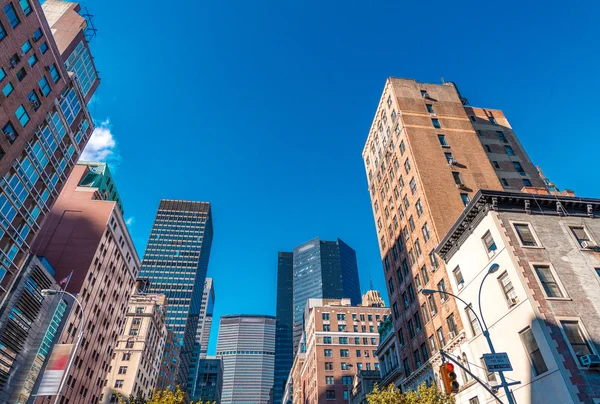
(166, 396)
(424, 395)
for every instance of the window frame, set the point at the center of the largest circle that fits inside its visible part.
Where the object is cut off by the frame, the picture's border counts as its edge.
(534, 371)
(507, 299)
(587, 233)
(557, 280)
(491, 252)
(514, 225)
(589, 341)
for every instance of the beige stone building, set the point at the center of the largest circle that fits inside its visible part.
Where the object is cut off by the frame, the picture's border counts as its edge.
(339, 340)
(139, 349)
(426, 155)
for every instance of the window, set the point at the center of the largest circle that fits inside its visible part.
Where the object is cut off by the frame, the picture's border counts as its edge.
(325, 316)
(460, 281)
(430, 109)
(407, 166)
(404, 199)
(436, 123)
(32, 60)
(456, 176)
(389, 101)
(577, 338)
(417, 356)
(533, 351)
(597, 271)
(411, 224)
(2, 74)
(525, 234)
(449, 157)
(359, 353)
(490, 244)
(341, 328)
(425, 313)
(475, 328)
(402, 147)
(432, 346)
(406, 368)
(328, 379)
(122, 370)
(424, 352)
(346, 366)
(54, 73)
(343, 340)
(9, 133)
(433, 259)
(418, 324)
(493, 121)
(424, 93)
(129, 344)
(424, 274)
(341, 317)
(118, 384)
(34, 101)
(518, 166)
(526, 182)
(330, 394)
(474, 400)
(401, 337)
(25, 6)
(413, 186)
(328, 365)
(441, 286)
(126, 356)
(328, 353)
(465, 199)
(504, 182)
(488, 148)
(21, 74)
(581, 235)
(496, 165)
(419, 208)
(44, 86)
(26, 47)
(43, 47)
(11, 14)
(548, 281)
(347, 380)
(508, 289)
(452, 325)
(443, 141)
(509, 150)
(37, 34)
(8, 89)
(2, 32)
(391, 286)
(22, 116)
(344, 353)
(411, 329)
(326, 327)
(473, 119)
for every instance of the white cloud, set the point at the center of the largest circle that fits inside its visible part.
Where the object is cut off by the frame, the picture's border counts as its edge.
(102, 145)
(130, 221)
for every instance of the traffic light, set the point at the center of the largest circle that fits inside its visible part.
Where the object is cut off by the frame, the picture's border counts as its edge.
(449, 378)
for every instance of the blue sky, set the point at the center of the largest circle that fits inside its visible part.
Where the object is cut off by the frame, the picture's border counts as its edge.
(263, 107)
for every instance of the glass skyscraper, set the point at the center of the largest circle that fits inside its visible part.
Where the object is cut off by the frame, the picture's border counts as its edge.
(316, 269)
(284, 355)
(175, 263)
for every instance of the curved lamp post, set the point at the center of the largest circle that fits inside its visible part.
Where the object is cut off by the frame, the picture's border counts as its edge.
(52, 292)
(482, 324)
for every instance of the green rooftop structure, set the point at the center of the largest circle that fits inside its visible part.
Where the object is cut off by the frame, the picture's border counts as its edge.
(99, 176)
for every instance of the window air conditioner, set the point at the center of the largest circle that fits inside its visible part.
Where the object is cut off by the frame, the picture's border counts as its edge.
(590, 361)
(588, 244)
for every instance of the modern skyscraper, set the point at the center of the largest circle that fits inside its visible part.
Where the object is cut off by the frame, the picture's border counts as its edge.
(246, 344)
(341, 340)
(202, 336)
(426, 155)
(210, 382)
(322, 269)
(138, 349)
(85, 238)
(175, 263)
(45, 126)
(284, 353)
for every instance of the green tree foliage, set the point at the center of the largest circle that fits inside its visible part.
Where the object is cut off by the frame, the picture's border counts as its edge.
(423, 395)
(166, 396)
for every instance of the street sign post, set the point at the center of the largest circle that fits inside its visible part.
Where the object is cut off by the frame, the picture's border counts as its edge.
(497, 362)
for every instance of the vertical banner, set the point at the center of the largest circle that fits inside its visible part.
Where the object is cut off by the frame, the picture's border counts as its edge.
(55, 370)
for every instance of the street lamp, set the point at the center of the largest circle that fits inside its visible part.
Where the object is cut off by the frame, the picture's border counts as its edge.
(52, 292)
(482, 324)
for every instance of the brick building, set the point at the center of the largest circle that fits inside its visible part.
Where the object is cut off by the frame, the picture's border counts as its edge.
(426, 155)
(541, 305)
(85, 236)
(339, 340)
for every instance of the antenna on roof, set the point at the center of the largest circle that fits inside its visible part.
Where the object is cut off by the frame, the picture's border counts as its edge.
(370, 282)
(443, 82)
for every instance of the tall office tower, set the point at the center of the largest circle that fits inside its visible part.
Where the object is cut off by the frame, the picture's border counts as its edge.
(426, 155)
(210, 383)
(246, 345)
(86, 239)
(45, 126)
(341, 340)
(139, 349)
(322, 269)
(175, 263)
(284, 354)
(530, 265)
(202, 336)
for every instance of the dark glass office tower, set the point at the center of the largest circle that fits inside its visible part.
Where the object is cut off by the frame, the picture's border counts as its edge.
(176, 262)
(322, 269)
(284, 355)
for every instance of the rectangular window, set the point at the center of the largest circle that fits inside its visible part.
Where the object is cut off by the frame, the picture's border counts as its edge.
(549, 283)
(518, 166)
(441, 338)
(328, 365)
(449, 158)
(490, 244)
(9, 133)
(509, 150)
(443, 141)
(488, 148)
(417, 356)
(576, 337)
(26, 47)
(34, 101)
(21, 74)
(433, 259)
(504, 182)
(401, 337)
(32, 60)
(43, 47)
(490, 376)
(341, 317)
(402, 148)
(525, 234)
(460, 281)
(425, 313)
(436, 123)
(526, 182)
(330, 395)
(341, 328)
(25, 6)
(328, 379)
(407, 166)
(581, 235)
(419, 208)
(11, 14)
(2, 32)
(2, 74)
(441, 286)
(22, 115)
(54, 73)
(508, 289)
(432, 346)
(474, 400)
(457, 179)
(396, 312)
(391, 286)
(475, 328)
(328, 353)
(411, 329)
(430, 108)
(325, 316)
(465, 199)
(496, 165)
(413, 186)
(8, 89)
(452, 325)
(118, 384)
(344, 353)
(37, 35)
(533, 351)
(493, 121)
(122, 370)
(326, 327)
(424, 275)
(473, 119)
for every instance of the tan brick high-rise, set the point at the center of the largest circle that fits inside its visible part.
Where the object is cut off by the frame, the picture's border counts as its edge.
(426, 155)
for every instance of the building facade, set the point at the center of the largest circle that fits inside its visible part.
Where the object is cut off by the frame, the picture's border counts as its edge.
(175, 263)
(364, 383)
(86, 240)
(246, 345)
(210, 382)
(340, 340)
(138, 351)
(541, 305)
(169, 368)
(426, 155)
(202, 334)
(45, 126)
(284, 351)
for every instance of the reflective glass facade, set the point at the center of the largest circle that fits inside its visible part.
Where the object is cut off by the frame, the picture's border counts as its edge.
(176, 262)
(284, 355)
(80, 62)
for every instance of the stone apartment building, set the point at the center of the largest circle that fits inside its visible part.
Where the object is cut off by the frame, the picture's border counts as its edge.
(541, 304)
